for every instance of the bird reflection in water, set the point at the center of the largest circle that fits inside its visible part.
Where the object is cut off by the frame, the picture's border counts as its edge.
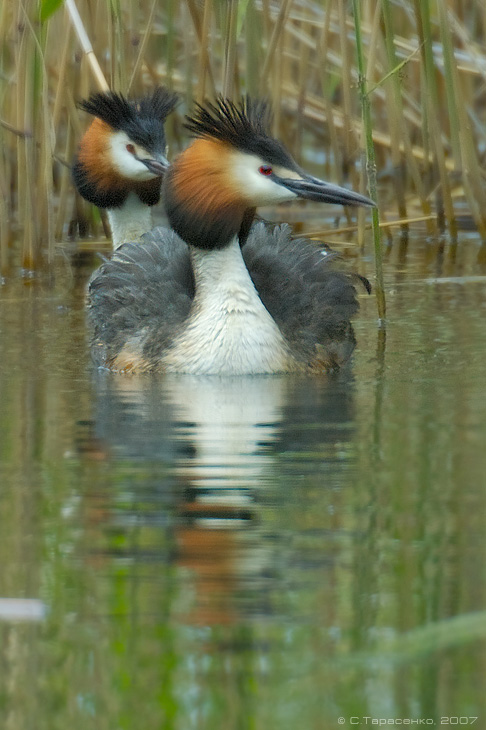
(205, 460)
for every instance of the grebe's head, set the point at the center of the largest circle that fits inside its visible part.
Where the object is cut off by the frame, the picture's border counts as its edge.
(235, 165)
(124, 148)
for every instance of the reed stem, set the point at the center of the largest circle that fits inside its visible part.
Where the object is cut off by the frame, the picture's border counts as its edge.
(430, 94)
(86, 45)
(370, 165)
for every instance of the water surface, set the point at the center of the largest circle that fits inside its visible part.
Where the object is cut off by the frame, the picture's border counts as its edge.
(269, 552)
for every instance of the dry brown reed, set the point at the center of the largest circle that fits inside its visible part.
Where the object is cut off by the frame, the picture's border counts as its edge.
(425, 69)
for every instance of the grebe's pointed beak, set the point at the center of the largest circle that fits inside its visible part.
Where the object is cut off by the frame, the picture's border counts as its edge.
(311, 188)
(156, 166)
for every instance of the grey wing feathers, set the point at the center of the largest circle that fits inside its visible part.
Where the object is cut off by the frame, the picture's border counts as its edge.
(311, 303)
(142, 295)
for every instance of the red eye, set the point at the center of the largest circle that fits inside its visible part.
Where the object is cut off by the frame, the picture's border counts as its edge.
(265, 169)
(130, 148)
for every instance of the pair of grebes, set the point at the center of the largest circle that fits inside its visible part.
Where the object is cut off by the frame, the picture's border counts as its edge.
(216, 293)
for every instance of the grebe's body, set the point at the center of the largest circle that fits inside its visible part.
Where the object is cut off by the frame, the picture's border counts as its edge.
(121, 159)
(199, 302)
(275, 307)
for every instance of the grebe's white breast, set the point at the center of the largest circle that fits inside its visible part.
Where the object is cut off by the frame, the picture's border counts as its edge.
(228, 331)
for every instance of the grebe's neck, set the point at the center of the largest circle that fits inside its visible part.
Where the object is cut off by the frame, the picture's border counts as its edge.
(228, 331)
(129, 221)
(220, 272)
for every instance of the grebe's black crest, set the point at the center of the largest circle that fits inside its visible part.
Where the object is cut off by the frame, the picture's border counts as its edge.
(142, 120)
(245, 126)
(103, 175)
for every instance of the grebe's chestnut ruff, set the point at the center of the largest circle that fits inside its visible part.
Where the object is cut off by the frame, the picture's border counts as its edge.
(121, 159)
(192, 299)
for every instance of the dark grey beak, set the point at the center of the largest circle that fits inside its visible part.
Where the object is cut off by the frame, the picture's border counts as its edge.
(311, 188)
(158, 166)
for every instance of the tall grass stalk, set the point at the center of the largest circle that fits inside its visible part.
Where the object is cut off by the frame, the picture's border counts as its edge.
(430, 98)
(229, 67)
(326, 84)
(170, 40)
(4, 214)
(141, 52)
(202, 31)
(460, 129)
(397, 122)
(86, 45)
(253, 51)
(395, 111)
(347, 86)
(370, 164)
(273, 43)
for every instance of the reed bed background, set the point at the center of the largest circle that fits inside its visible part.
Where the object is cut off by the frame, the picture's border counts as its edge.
(419, 77)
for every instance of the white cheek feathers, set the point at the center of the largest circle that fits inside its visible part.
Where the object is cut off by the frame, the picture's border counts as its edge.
(252, 185)
(124, 162)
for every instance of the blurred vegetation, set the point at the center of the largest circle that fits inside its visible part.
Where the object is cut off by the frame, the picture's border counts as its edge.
(423, 77)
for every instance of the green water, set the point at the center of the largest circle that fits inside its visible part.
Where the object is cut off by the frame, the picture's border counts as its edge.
(271, 552)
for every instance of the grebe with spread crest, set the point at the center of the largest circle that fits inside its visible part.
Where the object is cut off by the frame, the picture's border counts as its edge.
(215, 295)
(121, 159)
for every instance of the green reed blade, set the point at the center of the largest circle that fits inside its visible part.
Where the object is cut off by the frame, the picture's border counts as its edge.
(370, 164)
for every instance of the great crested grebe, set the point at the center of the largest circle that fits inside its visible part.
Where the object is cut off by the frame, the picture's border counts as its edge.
(121, 159)
(193, 299)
